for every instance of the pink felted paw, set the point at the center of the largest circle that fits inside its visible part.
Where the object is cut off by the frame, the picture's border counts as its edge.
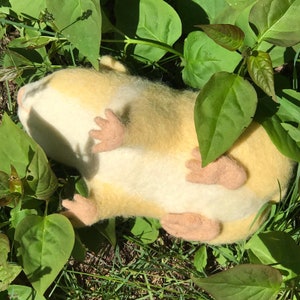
(110, 134)
(191, 226)
(224, 171)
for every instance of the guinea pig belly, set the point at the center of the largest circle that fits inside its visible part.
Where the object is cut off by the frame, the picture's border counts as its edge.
(161, 179)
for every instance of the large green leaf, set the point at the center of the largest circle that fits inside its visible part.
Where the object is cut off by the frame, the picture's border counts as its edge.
(27, 8)
(203, 57)
(277, 21)
(28, 159)
(212, 8)
(44, 246)
(243, 282)
(228, 36)
(80, 23)
(260, 68)
(270, 249)
(224, 108)
(153, 20)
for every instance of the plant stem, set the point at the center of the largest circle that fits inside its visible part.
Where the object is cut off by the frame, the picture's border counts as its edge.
(151, 43)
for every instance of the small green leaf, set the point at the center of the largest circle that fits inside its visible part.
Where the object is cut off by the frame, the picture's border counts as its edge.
(4, 185)
(153, 20)
(224, 108)
(277, 21)
(21, 292)
(203, 57)
(44, 246)
(228, 36)
(260, 69)
(146, 229)
(200, 259)
(255, 282)
(4, 248)
(80, 23)
(32, 43)
(40, 177)
(8, 272)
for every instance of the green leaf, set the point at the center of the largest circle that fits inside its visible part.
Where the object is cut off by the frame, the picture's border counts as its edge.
(17, 214)
(146, 229)
(30, 8)
(4, 248)
(8, 272)
(21, 292)
(260, 69)
(80, 23)
(4, 185)
(153, 20)
(228, 36)
(280, 137)
(240, 4)
(28, 159)
(44, 246)
(32, 43)
(200, 259)
(40, 177)
(289, 110)
(224, 108)
(272, 123)
(203, 57)
(270, 248)
(212, 8)
(277, 21)
(255, 282)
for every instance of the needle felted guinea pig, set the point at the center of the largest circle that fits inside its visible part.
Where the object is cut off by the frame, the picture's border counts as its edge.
(135, 144)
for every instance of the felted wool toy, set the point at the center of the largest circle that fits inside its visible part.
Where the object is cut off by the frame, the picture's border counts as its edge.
(135, 144)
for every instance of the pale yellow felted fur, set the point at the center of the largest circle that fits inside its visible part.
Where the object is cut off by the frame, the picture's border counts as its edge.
(146, 176)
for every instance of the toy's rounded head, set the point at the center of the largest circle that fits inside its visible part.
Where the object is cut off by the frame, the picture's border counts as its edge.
(59, 118)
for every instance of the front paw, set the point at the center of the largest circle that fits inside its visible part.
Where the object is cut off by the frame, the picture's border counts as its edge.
(110, 134)
(80, 211)
(191, 226)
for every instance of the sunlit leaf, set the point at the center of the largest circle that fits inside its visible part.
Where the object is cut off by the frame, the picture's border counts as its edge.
(256, 282)
(228, 36)
(44, 246)
(80, 23)
(260, 68)
(29, 8)
(270, 249)
(277, 21)
(146, 229)
(27, 158)
(224, 108)
(200, 259)
(203, 57)
(152, 20)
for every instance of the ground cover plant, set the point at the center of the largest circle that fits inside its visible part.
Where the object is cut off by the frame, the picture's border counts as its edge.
(243, 55)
